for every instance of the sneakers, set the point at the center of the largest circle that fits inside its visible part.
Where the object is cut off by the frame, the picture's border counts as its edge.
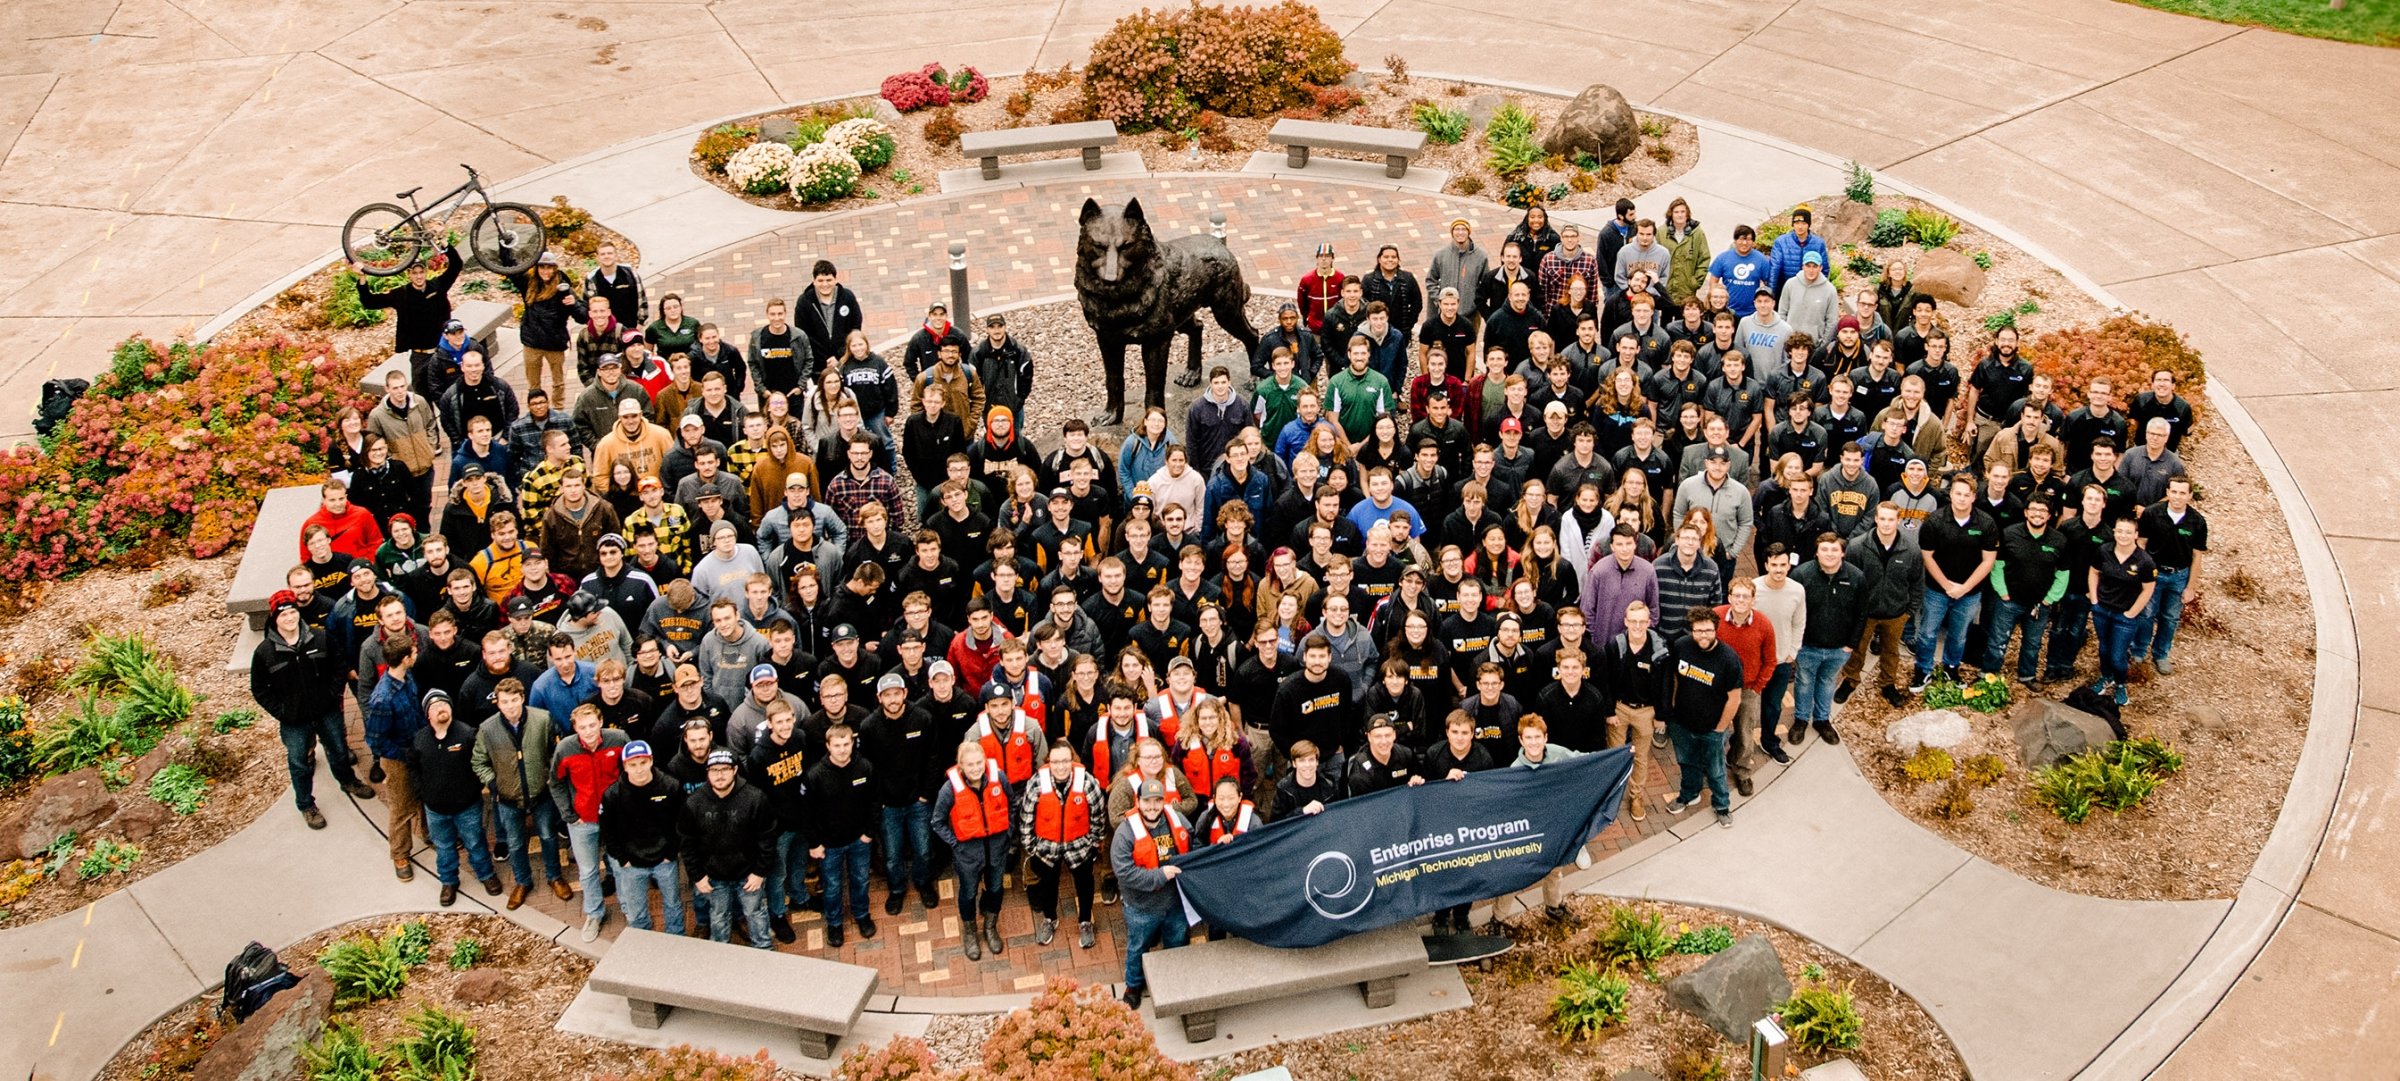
(782, 927)
(1725, 819)
(972, 940)
(1825, 732)
(591, 928)
(866, 927)
(1842, 693)
(2164, 666)
(2121, 695)
(1956, 676)
(1658, 738)
(1917, 684)
(1678, 805)
(1108, 892)
(1044, 931)
(315, 818)
(1087, 936)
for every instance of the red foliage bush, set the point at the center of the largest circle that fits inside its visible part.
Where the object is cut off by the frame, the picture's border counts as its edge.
(966, 85)
(1336, 99)
(1156, 69)
(1068, 1033)
(2126, 348)
(171, 441)
(910, 91)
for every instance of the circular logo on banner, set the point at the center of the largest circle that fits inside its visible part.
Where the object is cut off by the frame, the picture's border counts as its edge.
(1333, 886)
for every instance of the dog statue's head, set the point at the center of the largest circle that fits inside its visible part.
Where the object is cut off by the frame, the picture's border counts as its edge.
(1114, 240)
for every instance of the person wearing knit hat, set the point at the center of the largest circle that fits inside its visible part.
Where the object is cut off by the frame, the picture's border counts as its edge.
(442, 771)
(296, 678)
(1320, 289)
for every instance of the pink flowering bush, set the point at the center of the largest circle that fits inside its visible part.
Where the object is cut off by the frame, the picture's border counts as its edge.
(171, 441)
(932, 87)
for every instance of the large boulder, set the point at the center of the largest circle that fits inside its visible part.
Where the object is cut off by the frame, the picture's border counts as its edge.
(2049, 730)
(777, 129)
(1598, 122)
(1733, 989)
(1844, 222)
(1928, 728)
(138, 819)
(266, 1046)
(76, 802)
(1948, 275)
(481, 987)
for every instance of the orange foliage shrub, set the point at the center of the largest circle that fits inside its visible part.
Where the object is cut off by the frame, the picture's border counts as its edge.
(1156, 69)
(1069, 1033)
(2126, 348)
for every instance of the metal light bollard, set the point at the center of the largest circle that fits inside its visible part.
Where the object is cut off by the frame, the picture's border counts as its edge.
(958, 284)
(1766, 1050)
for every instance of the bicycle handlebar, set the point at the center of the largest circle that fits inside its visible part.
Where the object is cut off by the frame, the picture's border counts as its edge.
(469, 168)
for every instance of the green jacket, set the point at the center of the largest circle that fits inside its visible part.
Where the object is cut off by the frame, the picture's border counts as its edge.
(516, 765)
(1355, 400)
(1688, 271)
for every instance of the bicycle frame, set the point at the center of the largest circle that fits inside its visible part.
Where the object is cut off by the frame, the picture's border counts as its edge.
(474, 184)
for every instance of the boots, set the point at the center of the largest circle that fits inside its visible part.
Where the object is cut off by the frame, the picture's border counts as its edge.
(1633, 805)
(991, 935)
(969, 936)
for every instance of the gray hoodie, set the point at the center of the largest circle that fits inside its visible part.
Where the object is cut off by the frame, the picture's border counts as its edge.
(1811, 307)
(1456, 269)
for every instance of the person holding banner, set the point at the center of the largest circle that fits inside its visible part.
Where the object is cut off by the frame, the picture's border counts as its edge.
(1059, 826)
(1154, 834)
(1386, 763)
(1456, 756)
(1704, 693)
(1306, 789)
(1535, 751)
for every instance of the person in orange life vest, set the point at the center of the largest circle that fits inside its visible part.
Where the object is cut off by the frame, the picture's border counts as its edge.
(975, 652)
(351, 528)
(1008, 737)
(1226, 816)
(1150, 763)
(971, 814)
(1385, 763)
(1141, 854)
(1171, 706)
(1036, 695)
(1535, 751)
(1059, 827)
(1209, 750)
(1112, 741)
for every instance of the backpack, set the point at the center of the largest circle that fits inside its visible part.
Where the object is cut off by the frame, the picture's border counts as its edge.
(2098, 705)
(251, 979)
(58, 399)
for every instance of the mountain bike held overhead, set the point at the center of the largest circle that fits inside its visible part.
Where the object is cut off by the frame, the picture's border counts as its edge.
(383, 239)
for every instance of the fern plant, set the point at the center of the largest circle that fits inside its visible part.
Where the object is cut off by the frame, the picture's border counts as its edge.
(1447, 127)
(1633, 937)
(1589, 1000)
(363, 969)
(1860, 187)
(1819, 1017)
(1514, 158)
(110, 661)
(85, 737)
(1930, 228)
(441, 1048)
(465, 954)
(342, 1053)
(2147, 754)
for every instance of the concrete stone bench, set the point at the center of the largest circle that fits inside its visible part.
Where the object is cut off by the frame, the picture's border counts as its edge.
(657, 972)
(273, 550)
(1196, 981)
(1396, 146)
(482, 317)
(1089, 136)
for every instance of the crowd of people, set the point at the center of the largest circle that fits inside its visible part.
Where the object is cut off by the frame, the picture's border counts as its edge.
(744, 627)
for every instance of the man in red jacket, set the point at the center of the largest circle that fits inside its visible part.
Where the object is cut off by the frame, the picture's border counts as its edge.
(1741, 626)
(583, 766)
(353, 530)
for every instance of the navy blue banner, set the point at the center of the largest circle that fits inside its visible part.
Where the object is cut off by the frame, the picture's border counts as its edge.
(1403, 852)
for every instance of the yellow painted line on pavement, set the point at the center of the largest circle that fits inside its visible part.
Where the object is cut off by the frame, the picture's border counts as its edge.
(87, 909)
(78, 961)
(56, 1028)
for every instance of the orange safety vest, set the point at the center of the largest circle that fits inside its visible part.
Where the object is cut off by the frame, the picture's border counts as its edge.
(1170, 719)
(1062, 820)
(1145, 846)
(1204, 767)
(1243, 822)
(973, 819)
(1029, 697)
(1015, 754)
(1141, 729)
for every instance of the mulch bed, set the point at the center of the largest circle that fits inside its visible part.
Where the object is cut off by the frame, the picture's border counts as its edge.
(1505, 1036)
(1387, 102)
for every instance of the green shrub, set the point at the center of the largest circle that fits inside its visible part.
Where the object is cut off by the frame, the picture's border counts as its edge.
(2065, 791)
(465, 954)
(1513, 159)
(1771, 228)
(342, 308)
(85, 737)
(16, 741)
(111, 661)
(180, 787)
(1931, 228)
(155, 699)
(2116, 778)
(233, 719)
(2147, 754)
(108, 858)
(1510, 123)
(1864, 265)
(1714, 938)
(441, 1048)
(1860, 187)
(1983, 259)
(342, 1053)
(413, 943)
(1160, 68)
(364, 969)
(1985, 770)
(61, 850)
(1589, 1000)
(1821, 1018)
(1929, 764)
(1446, 127)
(2006, 318)
(1634, 938)
(1890, 230)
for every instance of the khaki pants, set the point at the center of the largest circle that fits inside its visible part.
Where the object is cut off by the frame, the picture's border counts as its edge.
(1882, 635)
(1746, 723)
(400, 796)
(1642, 720)
(556, 360)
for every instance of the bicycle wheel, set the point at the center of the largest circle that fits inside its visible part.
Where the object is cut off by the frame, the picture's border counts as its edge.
(507, 237)
(382, 239)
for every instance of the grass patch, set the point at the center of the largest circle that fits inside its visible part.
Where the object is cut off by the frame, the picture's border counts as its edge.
(2365, 22)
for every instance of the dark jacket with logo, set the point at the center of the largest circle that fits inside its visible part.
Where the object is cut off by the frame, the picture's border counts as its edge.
(442, 769)
(780, 770)
(1895, 576)
(637, 822)
(725, 838)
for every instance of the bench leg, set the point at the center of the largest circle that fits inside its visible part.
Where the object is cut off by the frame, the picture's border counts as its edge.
(1200, 1027)
(1381, 993)
(991, 168)
(1395, 166)
(815, 1044)
(648, 1014)
(1091, 158)
(1298, 158)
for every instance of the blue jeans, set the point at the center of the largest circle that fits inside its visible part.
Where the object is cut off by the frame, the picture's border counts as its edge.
(2069, 625)
(787, 885)
(908, 846)
(1943, 626)
(544, 823)
(2115, 630)
(1702, 756)
(1819, 671)
(584, 839)
(754, 914)
(2007, 616)
(1770, 704)
(1166, 930)
(451, 832)
(296, 740)
(2154, 634)
(633, 894)
(845, 871)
